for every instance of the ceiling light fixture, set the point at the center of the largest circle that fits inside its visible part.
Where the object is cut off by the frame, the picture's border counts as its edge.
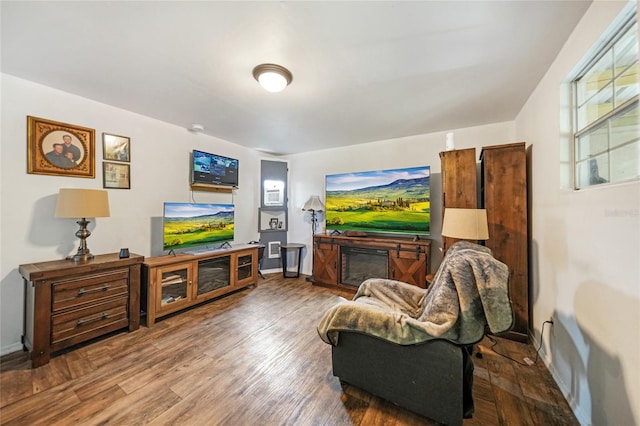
(274, 78)
(197, 128)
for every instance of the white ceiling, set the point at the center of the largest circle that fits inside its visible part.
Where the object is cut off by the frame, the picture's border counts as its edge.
(362, 71)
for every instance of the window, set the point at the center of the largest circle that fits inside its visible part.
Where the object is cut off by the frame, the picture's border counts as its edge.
(606, 142)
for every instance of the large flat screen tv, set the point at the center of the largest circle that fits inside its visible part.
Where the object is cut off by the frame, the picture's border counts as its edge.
(213, 169)
(190, 225)
(395, 201)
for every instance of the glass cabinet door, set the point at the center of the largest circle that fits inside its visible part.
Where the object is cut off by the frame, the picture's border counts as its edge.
(245, 267)
(174, 286)
(214, 274)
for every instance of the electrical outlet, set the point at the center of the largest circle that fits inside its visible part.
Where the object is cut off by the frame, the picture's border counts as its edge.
(551, 326)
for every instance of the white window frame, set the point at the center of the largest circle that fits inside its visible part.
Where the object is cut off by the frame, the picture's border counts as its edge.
(615, 34)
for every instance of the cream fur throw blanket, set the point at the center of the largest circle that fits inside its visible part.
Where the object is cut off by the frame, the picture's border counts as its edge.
(469, 292)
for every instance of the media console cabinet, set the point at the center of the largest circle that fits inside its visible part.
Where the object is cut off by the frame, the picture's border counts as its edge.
(345, 262)
(175, 282)
(68, 303)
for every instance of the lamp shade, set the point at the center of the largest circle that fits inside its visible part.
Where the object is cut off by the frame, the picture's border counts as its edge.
(81, 203)
(313, 204)
(465, 224)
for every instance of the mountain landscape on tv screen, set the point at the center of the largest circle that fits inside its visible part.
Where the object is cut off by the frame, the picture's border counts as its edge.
(192, 231)
(401, 206)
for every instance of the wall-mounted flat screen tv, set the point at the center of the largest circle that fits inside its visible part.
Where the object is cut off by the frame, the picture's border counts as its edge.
(213, 169)
(189, 225)
(395, 201)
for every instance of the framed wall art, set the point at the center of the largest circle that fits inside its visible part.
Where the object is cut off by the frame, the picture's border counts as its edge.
(116, 148)
(116, 175)
(60, 149)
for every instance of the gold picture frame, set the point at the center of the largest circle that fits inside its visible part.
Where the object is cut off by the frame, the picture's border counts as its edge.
(116, 175)
(60, 149)
(116, 148)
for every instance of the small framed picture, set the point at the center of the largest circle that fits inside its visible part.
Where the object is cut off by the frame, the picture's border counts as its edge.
(116, 148)
(116, 175)
(60, 149)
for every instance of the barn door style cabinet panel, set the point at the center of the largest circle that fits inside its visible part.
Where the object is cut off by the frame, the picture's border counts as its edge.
(325, 261)
(346, 262)
(67, 303)
(459, 184)
(504, 195)
(174, 283)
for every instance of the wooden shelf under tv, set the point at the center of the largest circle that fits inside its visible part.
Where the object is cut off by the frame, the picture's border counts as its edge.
(407, 259)
(212, 188)
(173, 283)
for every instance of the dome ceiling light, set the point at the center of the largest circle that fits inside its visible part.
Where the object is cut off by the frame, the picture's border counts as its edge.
(274, 78)
(197, 128)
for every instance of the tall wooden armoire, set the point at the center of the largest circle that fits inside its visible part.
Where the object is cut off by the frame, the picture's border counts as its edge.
(503, 192)
(459, 184)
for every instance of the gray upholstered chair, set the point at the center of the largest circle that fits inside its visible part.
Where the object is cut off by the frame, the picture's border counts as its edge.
(410, 345)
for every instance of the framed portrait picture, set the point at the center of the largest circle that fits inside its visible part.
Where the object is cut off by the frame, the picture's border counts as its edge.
(60, 149)
(116, 175)
(116, 148)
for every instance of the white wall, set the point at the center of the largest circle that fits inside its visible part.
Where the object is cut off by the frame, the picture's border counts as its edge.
(585, 256)
(29, 232)
(307, 174)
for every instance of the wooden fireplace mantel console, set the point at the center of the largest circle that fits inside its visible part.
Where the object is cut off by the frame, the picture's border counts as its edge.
(342, 261)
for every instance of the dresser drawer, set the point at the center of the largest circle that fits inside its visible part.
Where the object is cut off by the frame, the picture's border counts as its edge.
(78, 325)
(89, 289)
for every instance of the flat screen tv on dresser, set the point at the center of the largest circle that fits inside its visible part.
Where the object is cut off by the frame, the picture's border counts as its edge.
(197, 225)
(386, 201)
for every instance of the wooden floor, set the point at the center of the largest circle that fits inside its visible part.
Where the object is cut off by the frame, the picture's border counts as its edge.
(251, 358)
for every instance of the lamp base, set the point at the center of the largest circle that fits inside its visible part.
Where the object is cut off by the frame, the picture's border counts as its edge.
(83, 233)
(80, 257)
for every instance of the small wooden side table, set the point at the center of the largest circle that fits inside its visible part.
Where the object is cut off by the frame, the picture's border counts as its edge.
(296, 251)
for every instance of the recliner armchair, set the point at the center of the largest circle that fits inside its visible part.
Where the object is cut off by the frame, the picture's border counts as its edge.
(410, 345)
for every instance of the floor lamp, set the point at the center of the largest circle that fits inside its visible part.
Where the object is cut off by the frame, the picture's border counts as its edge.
(465, 224)
(313, 205)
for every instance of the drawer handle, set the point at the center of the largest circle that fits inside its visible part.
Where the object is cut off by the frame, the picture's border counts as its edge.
(83, 321)
(82, 291)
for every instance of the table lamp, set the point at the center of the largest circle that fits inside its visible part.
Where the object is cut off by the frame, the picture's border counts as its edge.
(465, 224)
(82, 203)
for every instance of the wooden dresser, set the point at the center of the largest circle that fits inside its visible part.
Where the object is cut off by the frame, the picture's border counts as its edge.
(68, 303)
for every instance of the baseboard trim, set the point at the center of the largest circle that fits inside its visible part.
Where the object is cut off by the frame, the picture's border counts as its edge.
(14, 347)
(582, 417)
